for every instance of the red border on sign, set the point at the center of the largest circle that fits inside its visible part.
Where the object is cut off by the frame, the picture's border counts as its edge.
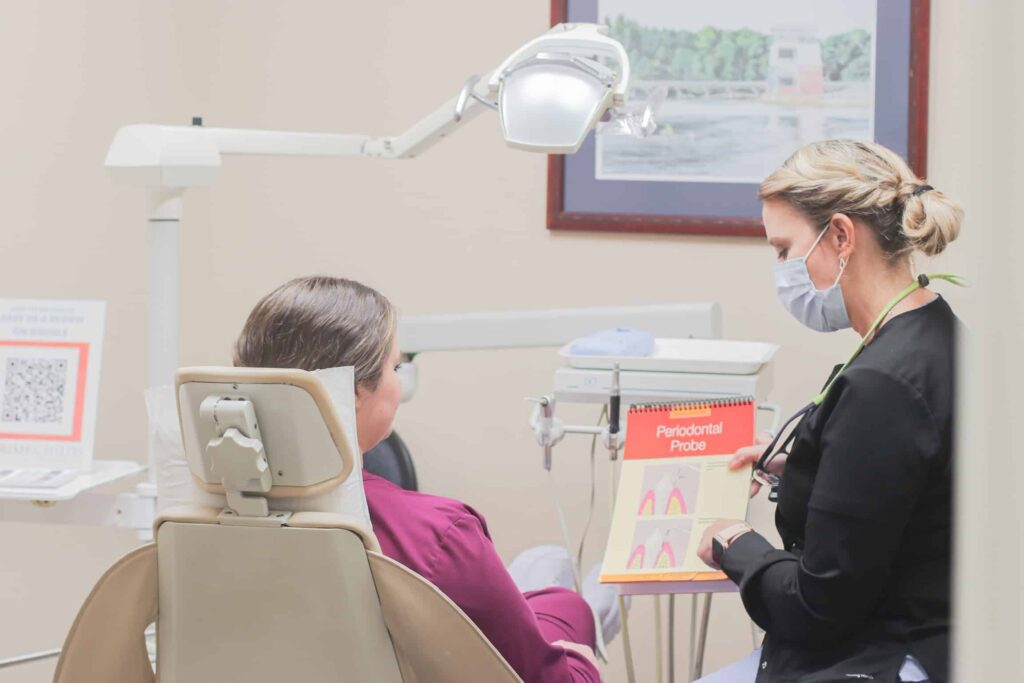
(83, 363)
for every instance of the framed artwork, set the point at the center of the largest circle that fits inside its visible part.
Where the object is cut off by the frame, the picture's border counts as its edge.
(735, 87)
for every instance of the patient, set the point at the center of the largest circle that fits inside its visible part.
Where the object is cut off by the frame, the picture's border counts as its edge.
(321, 322)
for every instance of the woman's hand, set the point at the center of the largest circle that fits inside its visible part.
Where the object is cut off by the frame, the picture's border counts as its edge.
(584, 650)
(704, 549)
(749, 455)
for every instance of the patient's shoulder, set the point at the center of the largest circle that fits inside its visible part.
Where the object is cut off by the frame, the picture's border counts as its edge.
(413, 526)
(391, 499)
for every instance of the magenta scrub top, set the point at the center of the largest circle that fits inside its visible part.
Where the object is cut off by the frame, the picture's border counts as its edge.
(446, 542)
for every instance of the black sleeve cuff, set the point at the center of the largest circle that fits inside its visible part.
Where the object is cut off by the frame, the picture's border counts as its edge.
(744, 561)
(743, 553)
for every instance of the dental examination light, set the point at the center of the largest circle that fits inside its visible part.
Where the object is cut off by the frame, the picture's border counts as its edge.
(553, 90)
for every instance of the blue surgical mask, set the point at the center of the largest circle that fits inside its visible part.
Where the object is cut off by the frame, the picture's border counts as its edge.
(822, 310)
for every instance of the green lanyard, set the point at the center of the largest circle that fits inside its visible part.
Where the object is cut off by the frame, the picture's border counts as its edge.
(921, 281)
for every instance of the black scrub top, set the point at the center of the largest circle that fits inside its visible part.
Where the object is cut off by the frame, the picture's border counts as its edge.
(865, 515)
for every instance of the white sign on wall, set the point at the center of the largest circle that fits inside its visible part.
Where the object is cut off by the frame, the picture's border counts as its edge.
(50, 354)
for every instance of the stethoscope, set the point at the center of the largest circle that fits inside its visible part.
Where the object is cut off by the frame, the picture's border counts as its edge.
(761, 473)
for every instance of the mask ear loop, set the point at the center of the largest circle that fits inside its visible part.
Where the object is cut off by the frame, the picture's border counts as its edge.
(814, 246)
(842, 261)
(842, 268)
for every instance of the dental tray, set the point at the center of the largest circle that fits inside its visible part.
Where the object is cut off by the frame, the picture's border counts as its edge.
(713, 356)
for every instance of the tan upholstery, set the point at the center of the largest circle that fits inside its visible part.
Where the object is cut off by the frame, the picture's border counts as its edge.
(433, 641)
(329, 520)
(268, 604)
(106, 642)
(189, 514)
(270, 597)
(300, 520)
(300, 379)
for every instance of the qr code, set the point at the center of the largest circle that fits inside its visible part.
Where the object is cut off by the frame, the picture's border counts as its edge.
(33, 391)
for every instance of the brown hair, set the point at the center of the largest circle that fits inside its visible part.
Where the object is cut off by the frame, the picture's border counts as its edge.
(870, 182)
(320, 322)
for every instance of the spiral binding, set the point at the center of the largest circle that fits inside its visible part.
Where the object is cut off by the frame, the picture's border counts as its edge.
(695, 404)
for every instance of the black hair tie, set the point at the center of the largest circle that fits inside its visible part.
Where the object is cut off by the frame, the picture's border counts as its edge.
(920, 190)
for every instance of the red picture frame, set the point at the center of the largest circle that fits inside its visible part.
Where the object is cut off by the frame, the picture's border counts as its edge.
(560, 219)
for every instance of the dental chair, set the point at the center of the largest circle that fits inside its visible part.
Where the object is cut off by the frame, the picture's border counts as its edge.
(249, 592)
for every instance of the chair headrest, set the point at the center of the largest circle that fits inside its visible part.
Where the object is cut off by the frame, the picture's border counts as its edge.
(284, 418)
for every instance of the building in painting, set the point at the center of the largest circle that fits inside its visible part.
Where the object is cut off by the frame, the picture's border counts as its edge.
(795, 66)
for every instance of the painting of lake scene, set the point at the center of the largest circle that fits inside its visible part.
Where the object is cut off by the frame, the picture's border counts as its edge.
(735, 86)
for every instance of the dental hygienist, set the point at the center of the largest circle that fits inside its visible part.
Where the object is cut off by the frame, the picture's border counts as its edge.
(861, 588)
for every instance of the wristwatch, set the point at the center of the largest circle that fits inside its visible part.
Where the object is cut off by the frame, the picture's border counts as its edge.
(721, 540)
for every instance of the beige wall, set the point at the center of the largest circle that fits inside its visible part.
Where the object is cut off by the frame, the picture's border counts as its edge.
(71, 73)
(461, 229)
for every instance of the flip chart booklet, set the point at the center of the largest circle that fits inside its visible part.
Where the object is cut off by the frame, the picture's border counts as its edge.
(674, 482)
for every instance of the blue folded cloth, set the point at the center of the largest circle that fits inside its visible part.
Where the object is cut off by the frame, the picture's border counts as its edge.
(621, 341)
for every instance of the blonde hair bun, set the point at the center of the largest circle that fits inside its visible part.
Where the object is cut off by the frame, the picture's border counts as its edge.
(870, 182)
(931, 220)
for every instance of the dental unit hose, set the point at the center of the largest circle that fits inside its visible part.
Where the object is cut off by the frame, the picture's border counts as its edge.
(547, 412)
(614, 406)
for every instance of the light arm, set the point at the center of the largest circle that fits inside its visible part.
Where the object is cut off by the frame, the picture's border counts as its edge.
(241, 141)
(419, 137)
(431, 129)
(187, 156)
(173, 157)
